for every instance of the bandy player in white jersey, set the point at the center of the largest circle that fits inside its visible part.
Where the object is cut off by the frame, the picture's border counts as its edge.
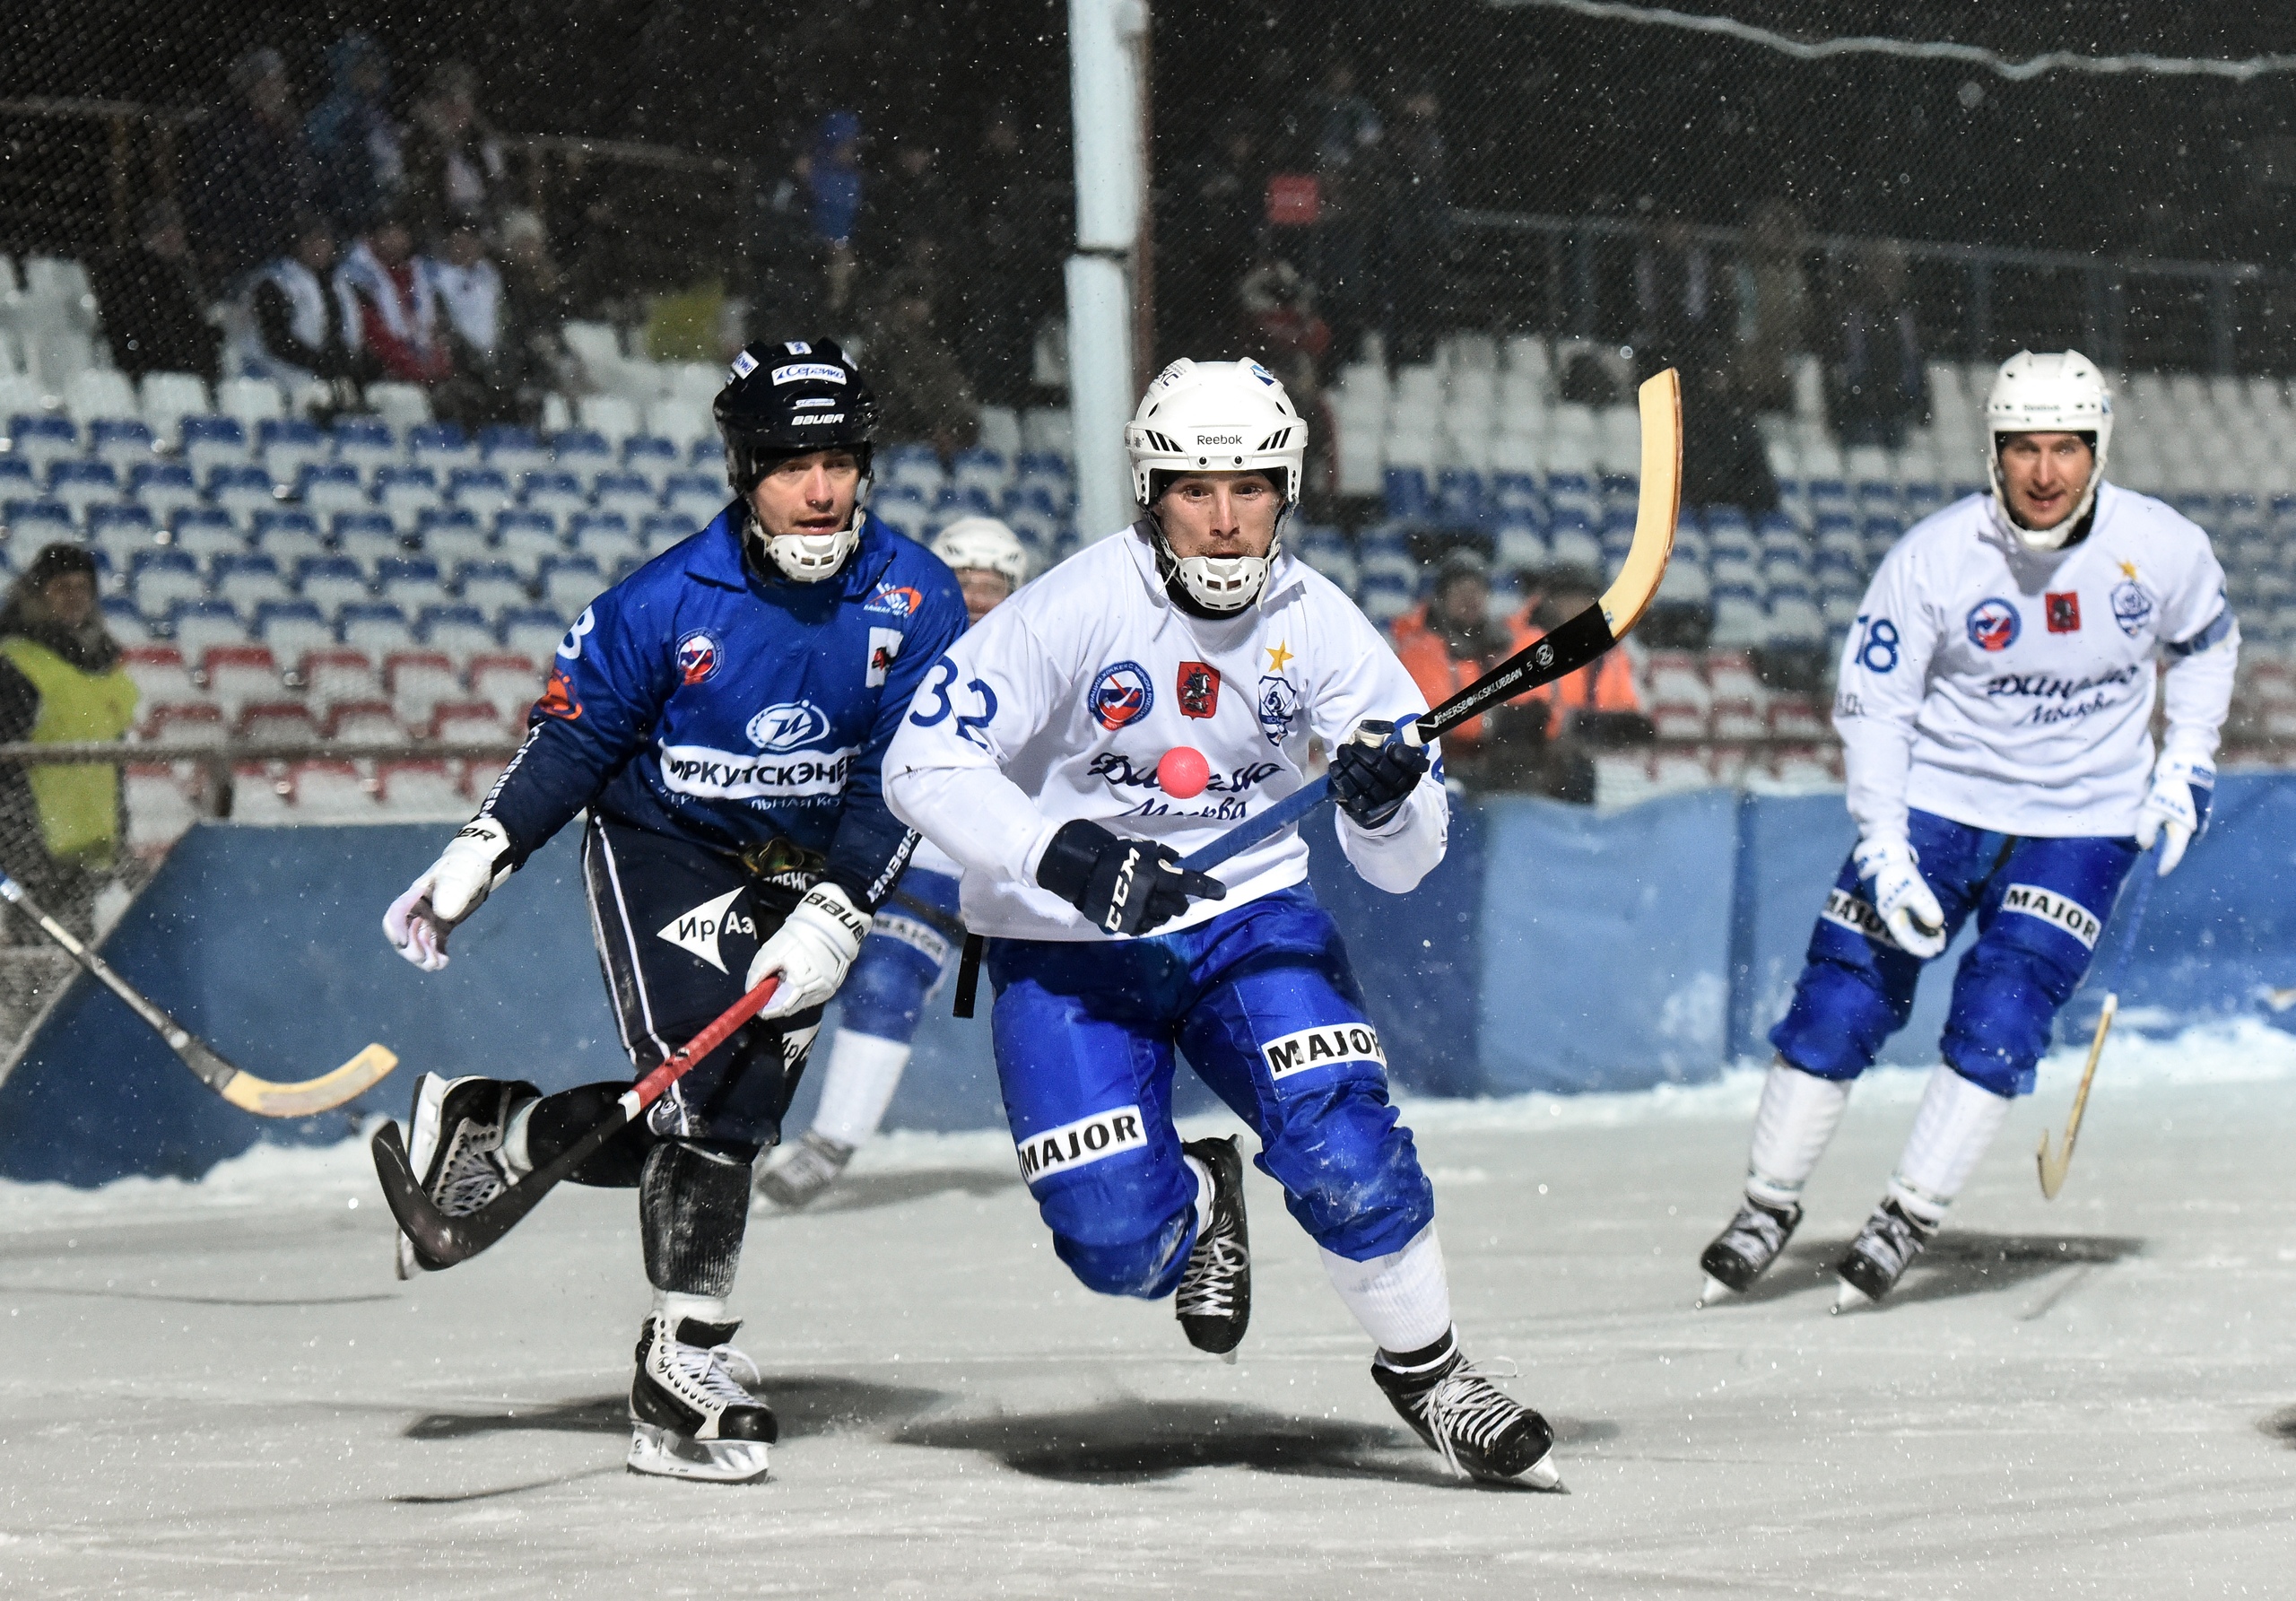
(1995, 704)
(1128, 707)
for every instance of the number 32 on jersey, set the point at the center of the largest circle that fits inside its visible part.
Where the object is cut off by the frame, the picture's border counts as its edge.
(968, 724)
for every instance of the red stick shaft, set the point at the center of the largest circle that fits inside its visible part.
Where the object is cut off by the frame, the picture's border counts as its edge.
(655, 1085)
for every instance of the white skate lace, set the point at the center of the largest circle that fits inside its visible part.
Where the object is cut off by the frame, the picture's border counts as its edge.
(1757, 1228)
(703, 1370)
(1890, 1242)
(1466, 1409)
(1207, 1289)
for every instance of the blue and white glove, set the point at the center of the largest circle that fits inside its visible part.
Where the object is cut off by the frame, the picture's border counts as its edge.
(2178, 804)
(1903, 899)
(1371, 778)
(811, 950)
(474, 865)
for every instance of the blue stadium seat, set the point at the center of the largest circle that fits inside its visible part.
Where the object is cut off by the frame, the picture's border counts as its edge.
(440, 446)
(452, 536)
(368, 537)
(555, 494)
(123, 442)
(662, 530)
(462, 631)
(533, 632)
(1406, 492)
(195, 624)
(569, 583)
(238, 491)
(331, 582)
(159, 576)
(286, 445)
(405, 493)
(625, 492)
(38, 437)
(18, 482)
(212, 442)
(124, 622)
(482, 490)
(31, 524)
(583, 452)
(287, 535)
(374, 627)
(652, 458)
(697, 498)
(205, 532)
(511, 450)
(291, 627)
(494, 587)
(80, 484)
(326, 487)
(603, 536)
(411, 582)
(122, 525)
(163, 487)
(247, 581)
(366, 443)
(526, 538)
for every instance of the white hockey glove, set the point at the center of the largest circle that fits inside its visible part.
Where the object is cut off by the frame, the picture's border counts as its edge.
(473, 864)
(1904, 901)
(811, 951)
(2178, 804)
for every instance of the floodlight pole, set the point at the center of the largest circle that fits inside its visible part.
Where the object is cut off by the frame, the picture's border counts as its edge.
(1108, 56)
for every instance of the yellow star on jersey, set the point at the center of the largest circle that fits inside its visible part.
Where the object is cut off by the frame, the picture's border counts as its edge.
(2128, 571)
(1278, 656)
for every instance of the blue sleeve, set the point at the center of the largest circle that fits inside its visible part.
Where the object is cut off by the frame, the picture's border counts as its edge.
(608, 684)
(872, 846)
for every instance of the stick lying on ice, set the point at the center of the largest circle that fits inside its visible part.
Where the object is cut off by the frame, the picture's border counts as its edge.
(1558, 655)
(446, 1240)
(242, 1089)
(2054, 1167)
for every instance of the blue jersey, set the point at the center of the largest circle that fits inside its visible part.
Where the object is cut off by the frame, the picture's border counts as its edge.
(706, 700)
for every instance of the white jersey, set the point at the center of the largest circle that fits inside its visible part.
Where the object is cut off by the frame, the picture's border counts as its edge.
(2013, 689)
(1060, 703)
(929, 857)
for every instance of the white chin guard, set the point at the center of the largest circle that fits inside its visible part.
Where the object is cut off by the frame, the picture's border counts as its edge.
(809, 558)
(1224, 583)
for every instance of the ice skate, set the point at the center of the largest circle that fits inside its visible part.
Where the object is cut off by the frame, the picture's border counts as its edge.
(1479, 1431)
(1880, 1255)
(1740, 1252)
(689, 1417)
(1215, 1303)
(454, 1147)
(802, 1172)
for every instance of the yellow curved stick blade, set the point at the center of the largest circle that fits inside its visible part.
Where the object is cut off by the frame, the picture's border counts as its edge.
(321, 1094)
(1658, 508)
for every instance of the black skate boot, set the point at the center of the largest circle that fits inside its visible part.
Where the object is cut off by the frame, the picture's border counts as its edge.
(1215, 1303)
(689, 1419)
(455, 1148)
(1749, 1244)
(1880, 1255)
(808, 1168)
(1479, 1431)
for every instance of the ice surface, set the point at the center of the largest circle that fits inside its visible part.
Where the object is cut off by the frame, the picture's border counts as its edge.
(218, 1389)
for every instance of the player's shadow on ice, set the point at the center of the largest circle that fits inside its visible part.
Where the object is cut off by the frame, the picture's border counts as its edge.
(1958, 1262)
(1133, 1442)
(865, 1192)
(805, 1403)
(2279, 1425)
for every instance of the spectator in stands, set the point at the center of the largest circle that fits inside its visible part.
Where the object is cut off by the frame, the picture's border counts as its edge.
(1687, 323)
(455, 165)
(909, 198)
(1556, 725)
(831, 174)
(61, 681)
(530, 349)
(1283, 332)
(1411, 268)
(1010, 251)
(466, 288)
(1774, 319)
(359, 145)
(1351, 181)
(1218, 222)
(250, 172)
(298, 323)
(399, 312)
(155, 304)
(1449, 641)
(922, 390)
(1880, 387)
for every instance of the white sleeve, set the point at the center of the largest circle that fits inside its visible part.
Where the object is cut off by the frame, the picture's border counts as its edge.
(1371, 683)
(2202, 644)
(944, 771)
(1884, 678)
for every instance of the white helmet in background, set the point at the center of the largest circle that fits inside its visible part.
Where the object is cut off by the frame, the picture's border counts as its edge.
(2056, 393)
(985, 542)
(1216, 417)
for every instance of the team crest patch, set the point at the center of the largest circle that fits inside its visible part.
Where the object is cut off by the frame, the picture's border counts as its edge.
(1321, 1047)
(558, 698)
(1279, 703)
(2132, 607)
(884, 644)
(1199, 689)
(697, 658)
(2061, 910)
(899, 599)
(1993, 624)
(1080, 1143)
(2064, 612)
(788, 727)
(1121, 695)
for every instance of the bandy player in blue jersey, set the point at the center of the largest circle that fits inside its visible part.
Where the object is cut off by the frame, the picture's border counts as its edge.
(1035, 755)
(721, 715)
(1994, 703)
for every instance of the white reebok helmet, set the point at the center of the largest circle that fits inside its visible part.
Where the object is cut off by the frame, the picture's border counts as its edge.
(985, 542)
(2061, 392)
(1216, 417)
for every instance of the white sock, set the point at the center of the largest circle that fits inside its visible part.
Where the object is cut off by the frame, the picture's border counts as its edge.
(513, 1140)
(1402, 1300)
(1203, 1189)
(674, 1305)
(1950, 1134)
(1798, 1115)
(864, 1072)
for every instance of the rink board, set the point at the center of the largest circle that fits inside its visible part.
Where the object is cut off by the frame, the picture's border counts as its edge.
(1554, 949)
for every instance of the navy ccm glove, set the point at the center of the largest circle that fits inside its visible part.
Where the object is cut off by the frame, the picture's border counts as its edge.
(1373, 778)
(1122, 886)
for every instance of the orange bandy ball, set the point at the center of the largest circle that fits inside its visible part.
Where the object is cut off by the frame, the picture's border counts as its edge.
(1183, 772)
